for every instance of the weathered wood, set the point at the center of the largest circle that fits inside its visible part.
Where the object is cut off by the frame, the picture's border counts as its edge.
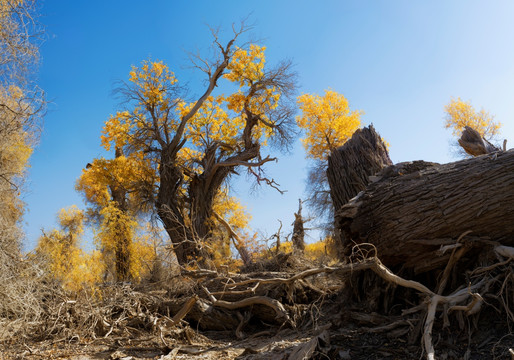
(202, 313)
(474, 144)
(414, 208)
(351, 165)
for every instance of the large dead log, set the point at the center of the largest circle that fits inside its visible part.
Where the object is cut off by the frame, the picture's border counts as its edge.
(415, 208)
(351, 165)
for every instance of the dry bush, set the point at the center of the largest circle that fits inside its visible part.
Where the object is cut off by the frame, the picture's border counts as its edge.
(26, 296)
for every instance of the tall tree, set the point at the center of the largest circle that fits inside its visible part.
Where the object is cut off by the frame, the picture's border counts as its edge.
(113, 190)
(194, 147)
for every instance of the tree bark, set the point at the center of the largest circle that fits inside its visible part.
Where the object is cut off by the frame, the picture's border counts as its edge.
(170, 209)
(351, 165)
(414, 208)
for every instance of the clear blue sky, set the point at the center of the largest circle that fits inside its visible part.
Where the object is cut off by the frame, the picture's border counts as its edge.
(398, 61)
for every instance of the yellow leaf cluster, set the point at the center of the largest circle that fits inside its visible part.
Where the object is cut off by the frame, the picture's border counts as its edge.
(328, 122)
(117, 130)
(285, 247)
(246, 66)
(322, 250)
(16, 145)
(151, 80)
(116, 225)
(231, 209)
(7, 6)
(75, 269)
(72, 221)
(460, 114)
(129, 173)
(152, 87)
(212, 124)
(85, 273)
(259, 103)
(143, 256)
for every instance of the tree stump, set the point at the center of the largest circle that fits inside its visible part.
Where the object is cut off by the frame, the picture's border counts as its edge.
(351, 165)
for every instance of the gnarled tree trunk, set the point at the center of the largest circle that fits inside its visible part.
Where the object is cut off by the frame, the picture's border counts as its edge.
(170, 209)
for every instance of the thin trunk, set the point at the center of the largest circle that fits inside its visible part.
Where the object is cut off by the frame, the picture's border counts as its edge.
(123, 259)
(298, 231)
(122, 248)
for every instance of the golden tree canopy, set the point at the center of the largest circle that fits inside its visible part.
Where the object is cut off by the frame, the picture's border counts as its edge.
(460, 114)
(327, 121)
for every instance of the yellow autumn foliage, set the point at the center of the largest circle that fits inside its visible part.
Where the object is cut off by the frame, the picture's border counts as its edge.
(460, 114)
(149, 78)
(234, 213)
(231, 209)
(134, 172)
(322, 250)
(285, 247)
(118, 229)
(16, 146)
(220, 120)
(212, 124)
(328, 122)
(67, 262)
(247, 66)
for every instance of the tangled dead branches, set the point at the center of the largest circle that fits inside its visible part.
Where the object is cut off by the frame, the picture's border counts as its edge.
(251, 303)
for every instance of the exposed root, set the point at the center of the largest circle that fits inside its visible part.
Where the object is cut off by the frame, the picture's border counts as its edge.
(246, 304)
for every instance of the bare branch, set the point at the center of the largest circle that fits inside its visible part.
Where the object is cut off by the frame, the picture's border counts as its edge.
(238, 243)
(270, 182)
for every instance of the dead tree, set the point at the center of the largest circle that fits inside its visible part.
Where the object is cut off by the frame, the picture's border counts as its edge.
(351, 165)
(298, 230)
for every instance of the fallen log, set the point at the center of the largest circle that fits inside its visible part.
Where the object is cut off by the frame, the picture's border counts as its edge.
(412, 209)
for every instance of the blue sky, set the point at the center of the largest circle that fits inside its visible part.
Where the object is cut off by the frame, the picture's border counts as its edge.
(398, 61)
